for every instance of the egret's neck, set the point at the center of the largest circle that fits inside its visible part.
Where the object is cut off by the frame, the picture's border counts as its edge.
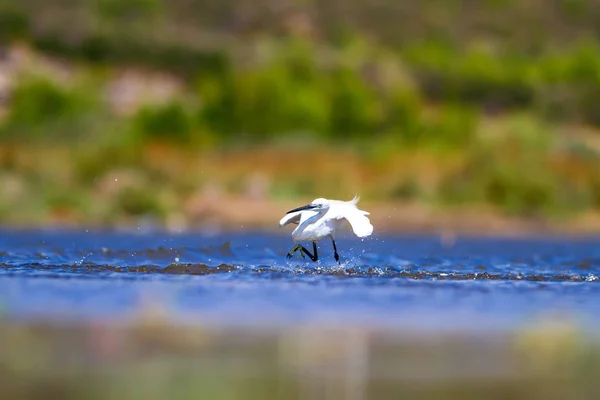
(314, 215)
(322, 211)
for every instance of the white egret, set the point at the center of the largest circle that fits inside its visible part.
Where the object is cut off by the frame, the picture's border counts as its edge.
(323, 218)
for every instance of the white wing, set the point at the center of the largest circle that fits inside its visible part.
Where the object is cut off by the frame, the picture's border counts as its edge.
(361, 226)
(293, 218)
(298, 217)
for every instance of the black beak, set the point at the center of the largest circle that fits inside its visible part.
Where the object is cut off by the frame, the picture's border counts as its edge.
(306, 207)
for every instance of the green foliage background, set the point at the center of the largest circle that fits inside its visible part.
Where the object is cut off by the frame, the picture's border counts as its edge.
(510, 89)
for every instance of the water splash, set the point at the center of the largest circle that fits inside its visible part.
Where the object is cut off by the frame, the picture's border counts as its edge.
(246, 277)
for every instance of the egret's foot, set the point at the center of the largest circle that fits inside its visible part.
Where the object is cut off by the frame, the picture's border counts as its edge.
(294, 250)
(337, 257)
(304, 251)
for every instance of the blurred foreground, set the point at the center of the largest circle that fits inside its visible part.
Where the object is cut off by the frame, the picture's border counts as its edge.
(153, 358)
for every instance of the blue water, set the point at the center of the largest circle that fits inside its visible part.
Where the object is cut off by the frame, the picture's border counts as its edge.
(244, 279)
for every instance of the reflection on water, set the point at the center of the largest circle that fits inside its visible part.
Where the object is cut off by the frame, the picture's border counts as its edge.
(150, 358)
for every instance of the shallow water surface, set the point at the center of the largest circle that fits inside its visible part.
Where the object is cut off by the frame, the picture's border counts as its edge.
(391, 282)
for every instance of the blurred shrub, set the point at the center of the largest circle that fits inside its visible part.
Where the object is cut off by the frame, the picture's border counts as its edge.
(403, 113)
(164, 122)
(58, 199)
(287, 189)
(497, 59)
(563, 86)
(450, 126)
(40, 100)
(92, 162)
(128, 10)
(265, 103)
(514, 171)
(568, 84)
(407, 189)
(279, 95)
(138, 201)
(355, 109)
(14, 23)
(475, 76)
(291, 93)
(43, 109)
(595, 193)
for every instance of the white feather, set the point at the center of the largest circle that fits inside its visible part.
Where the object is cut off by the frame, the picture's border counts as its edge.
(361, 226)
(292, 218)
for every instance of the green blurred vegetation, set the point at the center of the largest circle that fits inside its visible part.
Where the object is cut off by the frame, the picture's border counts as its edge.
(152, 357)
(441, 102)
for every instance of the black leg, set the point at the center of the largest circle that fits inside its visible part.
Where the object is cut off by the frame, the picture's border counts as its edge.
(303, 251)
(295, 249)
(335, 253)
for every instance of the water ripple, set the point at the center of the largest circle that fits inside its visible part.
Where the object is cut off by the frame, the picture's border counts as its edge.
(246, 277)
(91, 269)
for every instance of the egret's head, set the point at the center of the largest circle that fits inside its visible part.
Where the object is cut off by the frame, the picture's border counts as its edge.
(320, 203)
(316, 205)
